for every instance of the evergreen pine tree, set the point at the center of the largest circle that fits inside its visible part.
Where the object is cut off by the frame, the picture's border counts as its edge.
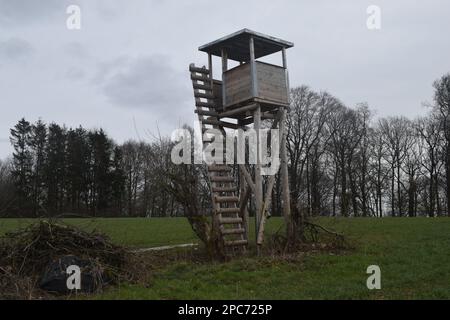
(38, 141)
(22, 163)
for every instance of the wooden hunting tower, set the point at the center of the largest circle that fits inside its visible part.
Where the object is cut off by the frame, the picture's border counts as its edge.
(247, 94)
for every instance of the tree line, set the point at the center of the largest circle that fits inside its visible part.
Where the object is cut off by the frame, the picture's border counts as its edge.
(343, 162)
(56, 171)
(346, 163)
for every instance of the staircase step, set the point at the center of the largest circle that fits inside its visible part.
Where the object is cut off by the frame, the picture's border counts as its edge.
(230, 220)
(219, 169)
(205, 87)
(227, 199)
(229, 210)
(203, 78)
(236, 243)
(222, 179)
(205, 104)
(193, 68)
(204, 95)
(224, 189)
(232, 231)
(206, 113)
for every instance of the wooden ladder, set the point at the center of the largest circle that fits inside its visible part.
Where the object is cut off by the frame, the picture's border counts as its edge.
(226, 203)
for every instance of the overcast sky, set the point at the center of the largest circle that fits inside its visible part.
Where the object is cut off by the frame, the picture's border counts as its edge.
(126, 69)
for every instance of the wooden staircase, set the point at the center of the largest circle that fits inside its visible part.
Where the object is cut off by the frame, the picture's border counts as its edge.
(226, 204)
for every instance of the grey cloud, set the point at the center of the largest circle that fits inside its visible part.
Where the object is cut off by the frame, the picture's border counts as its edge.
(392, 69)
(108, 10)
(15, 48)
(76, 50)
(106, 69)
(146, 82)
(75, 73)
(19, 12)
(24, 12)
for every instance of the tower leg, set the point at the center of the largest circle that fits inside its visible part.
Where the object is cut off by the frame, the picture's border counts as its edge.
(286, 194)
(258, 176)
(243, 195)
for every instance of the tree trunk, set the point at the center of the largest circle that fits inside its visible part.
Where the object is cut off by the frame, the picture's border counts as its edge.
(399, 190)
(393, 191)
(447, 177)
(344, 201)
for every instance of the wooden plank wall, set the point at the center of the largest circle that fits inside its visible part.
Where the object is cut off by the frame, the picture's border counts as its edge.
(271, 83)
(217, 92)
(238, 84)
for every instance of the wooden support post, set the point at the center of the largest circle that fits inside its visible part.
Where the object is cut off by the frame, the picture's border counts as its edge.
(247, 178)
(210, 67)
(244, 193)
(284, 58)
(253, 68)
(286, 194)
(258, 176)
(285, 66)
(267, 202)
(224, 69)
(269, 191)
(224, 60)
(244, 197)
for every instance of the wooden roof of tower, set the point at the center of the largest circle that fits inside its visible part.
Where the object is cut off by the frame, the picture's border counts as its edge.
(237, 45)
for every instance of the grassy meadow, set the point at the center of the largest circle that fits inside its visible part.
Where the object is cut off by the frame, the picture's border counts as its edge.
(413, 255)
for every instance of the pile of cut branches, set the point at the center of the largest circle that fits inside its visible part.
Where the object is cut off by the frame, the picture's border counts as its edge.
(312, 237)
(13, 287)
(25, 255)
(307, 236)
(328, 239)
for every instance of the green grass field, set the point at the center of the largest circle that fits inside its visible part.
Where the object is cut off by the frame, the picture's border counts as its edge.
(413, 255)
